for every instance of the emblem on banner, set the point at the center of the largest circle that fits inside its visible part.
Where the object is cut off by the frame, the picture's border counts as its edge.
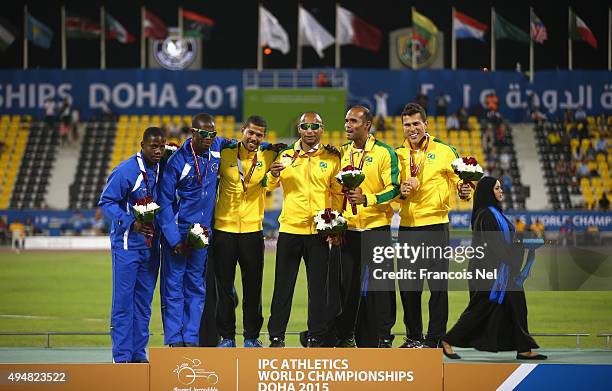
(190, 370)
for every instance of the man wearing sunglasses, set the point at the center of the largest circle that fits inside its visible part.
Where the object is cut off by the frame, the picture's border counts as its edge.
(187, 196)
(306, 170)
(239, 231)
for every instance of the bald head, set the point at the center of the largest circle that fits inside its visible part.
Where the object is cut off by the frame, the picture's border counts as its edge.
(311, 116)
(203, 120)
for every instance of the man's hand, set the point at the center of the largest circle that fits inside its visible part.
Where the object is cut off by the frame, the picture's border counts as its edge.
(356, 196)
(334, 240)
(408, 186)
(276, 168)
(181, 249)
(145, 229)
(464, 191)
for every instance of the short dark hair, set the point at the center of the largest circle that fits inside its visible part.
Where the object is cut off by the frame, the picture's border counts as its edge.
(202, 118)
(153, 131)
(413, 108)
(256, 120)
(367, 114)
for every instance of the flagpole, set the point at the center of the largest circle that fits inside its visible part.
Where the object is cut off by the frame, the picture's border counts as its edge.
(453, 42)
(299, 41)
(337, 46)
(531, 52)
(25, 37)
(493, 38)
(609, 39)
(180, 20)
(102, 39)
(63, 34)
(259, 46)
(143, 49)
(569, 39)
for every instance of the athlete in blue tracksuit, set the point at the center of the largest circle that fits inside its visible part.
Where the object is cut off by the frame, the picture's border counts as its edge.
(135, 260)
(187, 194)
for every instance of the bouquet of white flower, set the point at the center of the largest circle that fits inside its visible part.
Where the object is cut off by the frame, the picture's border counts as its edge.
(330, 222)
(468, 169)
(145, 210)
(350, 178)
(169, 149)
(197, 237)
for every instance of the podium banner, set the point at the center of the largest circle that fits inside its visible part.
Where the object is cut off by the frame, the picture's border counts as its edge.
(295, 369)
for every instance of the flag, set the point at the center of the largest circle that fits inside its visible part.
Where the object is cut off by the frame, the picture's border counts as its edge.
(271, 33)
(38, 33)
(538, 30)
(7, 34)
(153, 27)
(117, 31)
(196, 25)
(312, 33)
(355, 31)
(507, 30)
(580, 31)
(423, 27)
(467, 27)
(81, 28)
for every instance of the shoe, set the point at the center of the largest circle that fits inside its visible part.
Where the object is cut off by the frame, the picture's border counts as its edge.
(252, 343)
(304, 338)
(346, 343)
(385, 343)
(536, 357)
(176, 345)
(191, 345)
(227, 343)
(452, 356)
(314, 342)
(412, 344)
(141, 361)
(277, 342)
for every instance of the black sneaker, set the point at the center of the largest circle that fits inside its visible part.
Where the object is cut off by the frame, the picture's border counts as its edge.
(277, 342)
(177, 345)
(191, 345)
(346, 343)
(385, 342)
(314, 342)
(412, 344)
(141, 361)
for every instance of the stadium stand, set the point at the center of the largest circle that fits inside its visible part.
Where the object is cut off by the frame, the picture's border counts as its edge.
(37, 160)
(576, 157)
(14, 134)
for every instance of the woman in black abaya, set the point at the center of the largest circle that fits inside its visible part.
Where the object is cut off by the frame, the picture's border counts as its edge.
(488, 324)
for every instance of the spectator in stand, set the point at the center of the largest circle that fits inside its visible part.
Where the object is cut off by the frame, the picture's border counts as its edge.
(537, 228)
(18, 234)
(488, 142)
(452, 122)
(78, 222)
(568, 233)
(561, 168)
(492, 102)
(520, 226)
(49, 107)
(601, 145)
(441, 105)
(75, 118)
(604, 202)
(580, 115)
(568, 116)
(554, 137)
(322, 80)
(504, 160)
(583, 170)
(381, 109)
(506, 181)
(462, 114)
(3, 231)
(500, 134)
(422, 99)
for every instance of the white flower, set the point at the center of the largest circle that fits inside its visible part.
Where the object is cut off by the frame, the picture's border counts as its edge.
(197, 229)
(172, 148)
(350, 172)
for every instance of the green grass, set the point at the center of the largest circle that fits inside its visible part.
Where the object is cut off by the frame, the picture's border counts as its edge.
(71, 291)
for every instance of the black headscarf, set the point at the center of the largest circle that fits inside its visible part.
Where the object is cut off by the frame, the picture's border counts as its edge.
(484, 196)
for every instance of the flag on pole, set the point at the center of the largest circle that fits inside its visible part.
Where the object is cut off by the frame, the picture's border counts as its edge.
(38, 33)
(538, 30)
(355, 31)
(271, 33)
(423, 26)
(78, 27)
(467, 27)
(312, 33)
(153, 26)
(507, 30)
(579, 31)
(7, 33)
(196, 25)
(115, 30)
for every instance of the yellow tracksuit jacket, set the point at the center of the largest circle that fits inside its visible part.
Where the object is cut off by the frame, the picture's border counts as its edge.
(309, 186)
(430, 203)
(381, 184)
(235, 210)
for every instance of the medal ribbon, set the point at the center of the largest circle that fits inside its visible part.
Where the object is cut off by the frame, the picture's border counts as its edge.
(245, 181)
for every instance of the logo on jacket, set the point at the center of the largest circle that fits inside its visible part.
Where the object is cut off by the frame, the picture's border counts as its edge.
(369, 159)
(431, 156)
(323, 165)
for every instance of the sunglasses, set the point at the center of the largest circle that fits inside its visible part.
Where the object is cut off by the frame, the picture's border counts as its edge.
(206, 133)
(313, 126)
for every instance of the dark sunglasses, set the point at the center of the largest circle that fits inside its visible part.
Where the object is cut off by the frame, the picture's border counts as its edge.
(206, 133)
(313, 126)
